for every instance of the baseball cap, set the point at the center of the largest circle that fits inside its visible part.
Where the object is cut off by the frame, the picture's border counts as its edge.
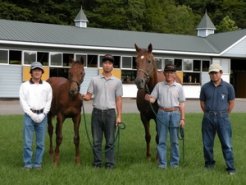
(108, 57)
(170, 67)
(36, 65)
(214, 68)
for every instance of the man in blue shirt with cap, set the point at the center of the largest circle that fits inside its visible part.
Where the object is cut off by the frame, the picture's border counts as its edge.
(217, 99)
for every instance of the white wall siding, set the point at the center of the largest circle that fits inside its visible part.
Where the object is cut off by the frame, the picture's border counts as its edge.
(10, 81)
(89, 73)
(224, 62)
(130, 90)
(192, 91)
(237, 50)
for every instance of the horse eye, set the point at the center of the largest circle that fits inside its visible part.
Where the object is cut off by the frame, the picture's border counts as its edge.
(149, 61)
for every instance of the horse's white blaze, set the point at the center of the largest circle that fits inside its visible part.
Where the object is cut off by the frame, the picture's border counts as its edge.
(142, 57)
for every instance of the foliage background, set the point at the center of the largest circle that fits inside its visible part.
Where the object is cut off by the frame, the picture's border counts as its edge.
(163, 16)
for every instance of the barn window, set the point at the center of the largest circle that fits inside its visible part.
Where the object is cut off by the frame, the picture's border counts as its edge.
(15, 57)
(29, 57)
(79, 56)
(126, 62)
(55, 59)
(3, 56)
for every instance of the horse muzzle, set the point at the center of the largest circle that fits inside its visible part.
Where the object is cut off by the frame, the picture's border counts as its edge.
(140, 83)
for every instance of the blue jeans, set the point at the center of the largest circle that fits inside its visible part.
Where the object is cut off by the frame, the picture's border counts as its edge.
(30, 127)
(103, 122)
(168, 121)
(212, 123)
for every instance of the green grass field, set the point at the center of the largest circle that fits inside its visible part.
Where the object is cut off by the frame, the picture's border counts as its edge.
(132, 166)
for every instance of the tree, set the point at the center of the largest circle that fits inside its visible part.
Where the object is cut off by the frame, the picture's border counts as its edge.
(227, 24)
(13, 12)
(108, 13)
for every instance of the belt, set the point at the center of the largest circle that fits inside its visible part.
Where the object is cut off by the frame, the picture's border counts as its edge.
(103, 110)
(170, 109)
(216, 112)
(40, 111)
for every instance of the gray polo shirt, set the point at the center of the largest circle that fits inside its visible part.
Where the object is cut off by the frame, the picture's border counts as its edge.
(168, 95)
(105, 91)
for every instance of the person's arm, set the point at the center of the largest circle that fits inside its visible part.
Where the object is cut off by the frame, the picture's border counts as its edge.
(231, 105)
(119, 109)
(202, 104)
(149, 98)
(26, 108)
(182, 114)
(87, 96)
(49, 100)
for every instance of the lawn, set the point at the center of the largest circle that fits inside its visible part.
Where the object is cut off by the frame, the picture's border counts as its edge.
(132, 167)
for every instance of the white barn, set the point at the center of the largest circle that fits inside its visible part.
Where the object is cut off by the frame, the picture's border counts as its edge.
(53, 45)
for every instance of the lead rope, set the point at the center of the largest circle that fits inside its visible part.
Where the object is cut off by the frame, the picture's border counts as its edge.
(116, 135)
(181, 130)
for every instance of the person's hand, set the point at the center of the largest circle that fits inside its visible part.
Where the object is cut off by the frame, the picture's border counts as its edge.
(40, 117)
(118, 121)
(33, 116)
(85, 97)
(182, 123)
(149, 98)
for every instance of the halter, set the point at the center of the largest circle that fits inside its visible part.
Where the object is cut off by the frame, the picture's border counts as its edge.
(145, 73)
(78, 84)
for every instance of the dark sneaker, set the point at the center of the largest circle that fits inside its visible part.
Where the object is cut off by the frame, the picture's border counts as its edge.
(109, 167)
(209, 167)
(97, 166)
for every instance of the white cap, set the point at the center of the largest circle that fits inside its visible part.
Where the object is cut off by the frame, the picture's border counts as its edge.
(215, 68)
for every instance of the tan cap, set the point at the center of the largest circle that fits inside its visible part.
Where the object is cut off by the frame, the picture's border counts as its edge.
(215, 68)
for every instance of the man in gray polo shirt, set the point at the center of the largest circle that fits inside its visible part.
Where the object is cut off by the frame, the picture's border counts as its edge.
(170, 98)
(106, 91)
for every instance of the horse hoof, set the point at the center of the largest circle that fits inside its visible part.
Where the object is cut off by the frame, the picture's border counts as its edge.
(55, 164)
(148, 158)
(77, 161)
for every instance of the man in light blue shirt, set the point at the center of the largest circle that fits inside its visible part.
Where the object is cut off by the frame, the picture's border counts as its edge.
(170, 98)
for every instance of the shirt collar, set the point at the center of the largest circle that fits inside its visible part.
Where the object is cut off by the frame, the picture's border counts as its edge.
(111, 77)
(222, 82)
(173, 84)
(31, 82)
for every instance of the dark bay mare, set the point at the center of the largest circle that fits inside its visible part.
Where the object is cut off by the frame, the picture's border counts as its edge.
(147, 77)
(66, 103)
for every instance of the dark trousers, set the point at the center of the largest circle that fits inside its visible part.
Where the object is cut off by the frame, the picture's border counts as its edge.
(103, 123)
(217, 122)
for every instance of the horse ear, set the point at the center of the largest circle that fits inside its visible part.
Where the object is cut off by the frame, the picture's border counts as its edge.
(70, 61)
(137, 48)
(150, 48)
